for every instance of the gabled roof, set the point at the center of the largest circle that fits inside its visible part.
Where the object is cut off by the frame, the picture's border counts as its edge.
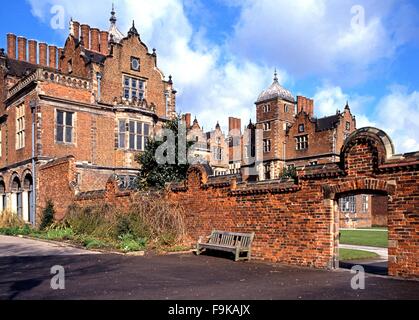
(327, 123)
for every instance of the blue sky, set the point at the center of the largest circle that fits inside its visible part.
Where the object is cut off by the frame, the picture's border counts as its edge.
(222, 53)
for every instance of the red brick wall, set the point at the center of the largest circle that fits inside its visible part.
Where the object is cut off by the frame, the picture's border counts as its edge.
(379, 211)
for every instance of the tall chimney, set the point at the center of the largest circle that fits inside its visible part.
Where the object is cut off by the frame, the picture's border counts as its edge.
(33, 54)
(11, 46)
(60, 62)
(43, 54)
(94, 34)
(21, 48)
(52, 57)
(75, 29)
(188, 118)
(104, 36)
(234, 124)
(85, 33)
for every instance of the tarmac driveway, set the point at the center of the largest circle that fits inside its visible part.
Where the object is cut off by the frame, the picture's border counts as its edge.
(25, 267)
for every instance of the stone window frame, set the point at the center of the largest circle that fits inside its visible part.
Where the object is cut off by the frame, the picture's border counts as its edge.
(65, 126)
(267, 145)
(266, 108)
(347, 204)
(365, 203)
(267, 126)
(129, 88)
(267, 171)
(302, 142)
(348, 126)
(124, 136)
(20, 126)
(218, 153)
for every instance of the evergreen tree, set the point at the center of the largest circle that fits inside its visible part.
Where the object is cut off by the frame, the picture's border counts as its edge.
(155, 175)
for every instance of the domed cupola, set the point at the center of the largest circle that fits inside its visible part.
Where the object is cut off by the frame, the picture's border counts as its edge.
(276, 91)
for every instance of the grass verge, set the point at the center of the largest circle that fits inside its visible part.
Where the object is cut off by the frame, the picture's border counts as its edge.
(365, 238)
(348, 255)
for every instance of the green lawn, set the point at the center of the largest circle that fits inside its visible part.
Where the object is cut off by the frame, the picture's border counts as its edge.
(347, 254)
(365, 238)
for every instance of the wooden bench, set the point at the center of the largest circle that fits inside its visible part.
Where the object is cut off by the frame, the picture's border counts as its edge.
(237, 243)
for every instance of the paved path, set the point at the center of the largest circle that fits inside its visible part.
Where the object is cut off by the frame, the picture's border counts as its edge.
(20, 247)
(382, 252)
(25, 268)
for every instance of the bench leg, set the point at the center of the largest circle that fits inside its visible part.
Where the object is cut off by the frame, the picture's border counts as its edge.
(237, 258)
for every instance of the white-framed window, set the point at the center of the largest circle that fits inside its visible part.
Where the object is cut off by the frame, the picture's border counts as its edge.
(64, 127)
(348, 204)
(266, 145)
(365, 203)
(218, 153)
(134, 88)
(122, 133)
(301, 143)
(20, 127)
(267, 171)
(267, 126)
(138, 135)
(132, 135)
(266, 108)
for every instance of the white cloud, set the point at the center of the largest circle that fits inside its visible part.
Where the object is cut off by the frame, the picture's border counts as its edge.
(396, 113)
(318, 37)
(213, 84)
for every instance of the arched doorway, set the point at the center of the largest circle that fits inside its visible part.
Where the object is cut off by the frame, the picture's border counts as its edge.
(16, 196)
(3, 196)
(363, 236)
(27, 198)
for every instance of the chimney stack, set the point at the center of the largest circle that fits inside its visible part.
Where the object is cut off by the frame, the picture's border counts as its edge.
(43, 54)
(104, 36)
(188, 118)
(11, 46)
(75, 29)
(33, 54)
(85, 33)
(60, 53)
(21, 48)
(306, 105)
(234, 124)
(52, 57)
(94, 34)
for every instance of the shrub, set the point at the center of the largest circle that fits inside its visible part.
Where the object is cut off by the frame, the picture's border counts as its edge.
(47, 216)
(89, 220)
(129, 243)
(10, 219)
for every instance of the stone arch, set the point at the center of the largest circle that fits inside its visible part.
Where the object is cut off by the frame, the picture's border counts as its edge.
(2, 186)
(15, 183)
(332, 192)
(200, 172)
(27, 180)
(378, 141)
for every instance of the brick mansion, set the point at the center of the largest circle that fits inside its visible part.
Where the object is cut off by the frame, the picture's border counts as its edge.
(74, 116)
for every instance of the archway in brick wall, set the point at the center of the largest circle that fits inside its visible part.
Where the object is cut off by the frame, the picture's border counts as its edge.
(364, 152)
(354, 188)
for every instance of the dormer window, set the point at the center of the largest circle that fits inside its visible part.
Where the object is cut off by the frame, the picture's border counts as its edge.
(134, 88)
